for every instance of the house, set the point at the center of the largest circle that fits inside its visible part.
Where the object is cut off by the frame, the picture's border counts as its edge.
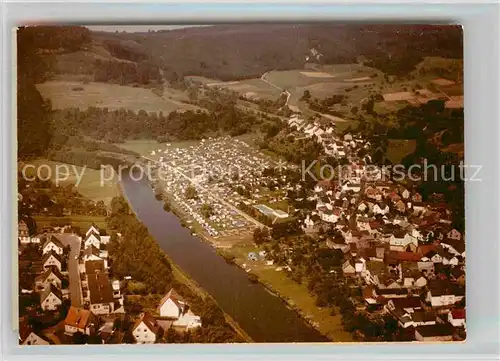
(456, 317)
(146, 329)
(392, 292)
(338, 243)
(400, 206)
(51, 259)
(415, 319)
(348, 268)
(28, 337)
(172, 305)
(91, 253)
(400, 242)
(23, 232)
(80, 320)
(443, 293)
(426, 267)
(454, 234)
(331, 216)
(363, 223)
(416, 198)
(52, 275)
(188, 321)
(94, 266)
(92, 229)
(455, 247)
(100, 294)
(52, 244)
(51, 298)
(92, 239)
(432, 256)
(436, 332)
(409, 304)
(373, 193)
(380, 208)
(418, 207)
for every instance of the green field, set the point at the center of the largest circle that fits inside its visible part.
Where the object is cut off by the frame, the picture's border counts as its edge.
(90, 184)
(145, 146)
(251, 87)
(64, 94)
(397, 149)
(83, 222)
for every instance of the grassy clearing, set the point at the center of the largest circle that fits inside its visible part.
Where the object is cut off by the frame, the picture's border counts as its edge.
(89, 186)
(65, 94)
(83, 222)
(256, 87)
(145, 146)
(397, 149)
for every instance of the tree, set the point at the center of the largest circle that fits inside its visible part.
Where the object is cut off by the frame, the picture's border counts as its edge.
(206, 210)
(257, 236)
(191, 192)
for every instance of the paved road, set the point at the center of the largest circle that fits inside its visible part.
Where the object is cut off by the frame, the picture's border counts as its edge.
(75, 287)
(229, 205)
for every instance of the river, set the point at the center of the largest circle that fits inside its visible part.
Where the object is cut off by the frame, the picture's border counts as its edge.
(263, 316)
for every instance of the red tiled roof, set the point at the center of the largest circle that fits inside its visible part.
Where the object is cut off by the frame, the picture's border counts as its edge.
(458, 314)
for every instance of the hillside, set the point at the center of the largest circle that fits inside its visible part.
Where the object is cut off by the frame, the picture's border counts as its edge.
(229, 52)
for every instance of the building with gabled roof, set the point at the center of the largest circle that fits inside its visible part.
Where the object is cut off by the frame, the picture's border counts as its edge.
(146, 329)
(80, 320)
(52, 244)
(172, 305)
(51, 259)
(101, 297)
(28, 337)
(52, 275)
(51, 298)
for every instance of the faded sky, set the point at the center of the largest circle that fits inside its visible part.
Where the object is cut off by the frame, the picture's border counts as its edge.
(135, 28)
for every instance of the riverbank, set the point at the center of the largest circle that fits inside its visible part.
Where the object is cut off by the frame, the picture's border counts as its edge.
(296, 296)
(184, 279)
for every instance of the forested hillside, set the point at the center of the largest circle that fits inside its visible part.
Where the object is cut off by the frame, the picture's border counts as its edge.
(231, 52)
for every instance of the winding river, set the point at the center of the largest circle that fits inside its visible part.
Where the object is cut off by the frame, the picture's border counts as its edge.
(263, 316)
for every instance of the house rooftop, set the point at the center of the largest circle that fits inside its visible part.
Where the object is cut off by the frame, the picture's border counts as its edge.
(79, 317)
(54, 240)
(50, 289)
(436, 330)
(149, 321)
(93, 267)
(100, 288)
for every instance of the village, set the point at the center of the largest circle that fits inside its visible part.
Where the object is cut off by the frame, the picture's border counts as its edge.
(401, 253)
(68, 296)
(399, 256)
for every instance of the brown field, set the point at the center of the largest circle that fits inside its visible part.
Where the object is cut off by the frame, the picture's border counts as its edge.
(442, 82)
(453, 90)
(361, 79)
(65, 94)
(455, 102)
(391, 97)
(316, 74)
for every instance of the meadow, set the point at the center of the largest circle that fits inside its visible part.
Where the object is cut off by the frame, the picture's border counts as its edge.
(90, 184)
(64, 94)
